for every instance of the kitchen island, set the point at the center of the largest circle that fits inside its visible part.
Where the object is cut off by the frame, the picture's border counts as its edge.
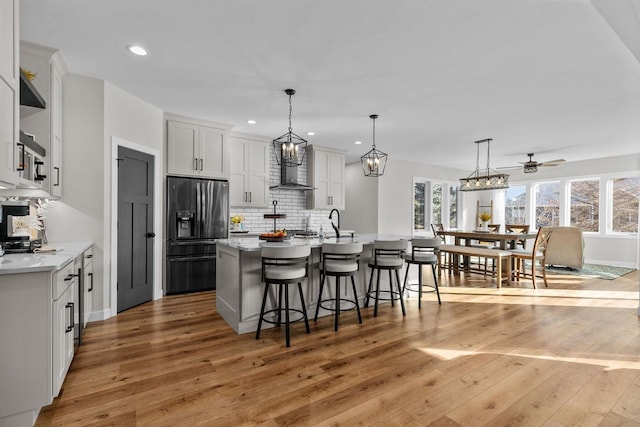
(239, 284)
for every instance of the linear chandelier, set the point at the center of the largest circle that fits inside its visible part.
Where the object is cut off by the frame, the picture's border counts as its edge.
(289, 148)
(484, 179)
(374, 161)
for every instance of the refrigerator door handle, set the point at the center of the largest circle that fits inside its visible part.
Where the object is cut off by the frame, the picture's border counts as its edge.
(198, 218)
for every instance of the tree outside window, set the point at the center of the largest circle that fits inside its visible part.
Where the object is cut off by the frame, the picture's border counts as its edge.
(585, 206)
(453, 206)
(515, 205)
(625, 205)
(418, 205)
(547, 204)
(436, 203)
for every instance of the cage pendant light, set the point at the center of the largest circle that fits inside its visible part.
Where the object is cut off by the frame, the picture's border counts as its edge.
(374, 161)
(289, 148)
(484, 179)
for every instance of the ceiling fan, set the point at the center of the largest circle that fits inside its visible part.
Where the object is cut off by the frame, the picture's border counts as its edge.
(531, 166)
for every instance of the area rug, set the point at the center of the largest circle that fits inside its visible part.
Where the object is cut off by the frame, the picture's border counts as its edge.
(607, 272)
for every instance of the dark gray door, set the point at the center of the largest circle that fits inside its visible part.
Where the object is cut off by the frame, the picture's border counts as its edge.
(135, 228)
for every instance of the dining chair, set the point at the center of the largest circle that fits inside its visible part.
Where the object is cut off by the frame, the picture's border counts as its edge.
(537, 254)
(488, 244)
(518, 228)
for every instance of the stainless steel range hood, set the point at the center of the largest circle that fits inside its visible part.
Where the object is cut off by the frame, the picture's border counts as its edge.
(289, 180)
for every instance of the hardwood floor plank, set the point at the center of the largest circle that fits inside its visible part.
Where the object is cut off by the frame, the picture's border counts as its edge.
(564, 355)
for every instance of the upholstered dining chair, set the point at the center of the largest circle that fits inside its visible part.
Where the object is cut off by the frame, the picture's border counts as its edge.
(534, 256)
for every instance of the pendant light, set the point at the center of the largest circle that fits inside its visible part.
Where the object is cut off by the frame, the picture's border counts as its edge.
(484, 179)
(289, 148)
(374, 161)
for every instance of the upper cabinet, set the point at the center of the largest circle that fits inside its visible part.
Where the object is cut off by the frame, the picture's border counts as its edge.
(325, 172)
(196, 148)
(42, 126)
(249, 180)
(9, 94)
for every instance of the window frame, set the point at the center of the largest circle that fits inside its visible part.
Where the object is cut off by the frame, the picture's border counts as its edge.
(428, 203)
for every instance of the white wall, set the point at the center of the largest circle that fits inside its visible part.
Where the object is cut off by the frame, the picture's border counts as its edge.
(131, 119)
(361, 201)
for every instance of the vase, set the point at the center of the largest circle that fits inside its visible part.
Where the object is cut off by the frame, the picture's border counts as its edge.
(484, 226)
(235, 226)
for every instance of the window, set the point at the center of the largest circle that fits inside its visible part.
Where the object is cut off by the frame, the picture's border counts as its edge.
(585, 205)
(418, 205)
(453, 206)
(547, 204)
(625, 205)
(436, 204)
(515, 205)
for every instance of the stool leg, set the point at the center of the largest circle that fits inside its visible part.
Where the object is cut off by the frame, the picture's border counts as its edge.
(404, 283)
(264, 301)
(404, 312)
(355, 299)
(319, 297)
(286, 315)
(336, 314)
(435, 280)
(419, 285)
(366, 301)
(375, 310)
(393, 302)
(304, 309)
(280, 285)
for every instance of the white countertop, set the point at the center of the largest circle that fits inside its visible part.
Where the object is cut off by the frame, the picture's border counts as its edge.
(254, 244)
(45, 261)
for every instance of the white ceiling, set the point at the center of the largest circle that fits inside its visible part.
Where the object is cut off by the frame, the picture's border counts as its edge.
(549, 77)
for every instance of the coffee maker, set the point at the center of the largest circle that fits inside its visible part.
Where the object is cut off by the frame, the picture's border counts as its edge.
(11, 242)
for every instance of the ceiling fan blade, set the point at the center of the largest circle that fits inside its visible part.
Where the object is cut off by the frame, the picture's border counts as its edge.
(509, 167)
(553, 161)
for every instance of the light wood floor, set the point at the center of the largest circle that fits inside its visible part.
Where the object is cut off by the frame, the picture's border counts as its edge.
(568, 355)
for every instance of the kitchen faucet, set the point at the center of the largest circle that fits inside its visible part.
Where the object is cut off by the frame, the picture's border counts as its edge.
(336, 229)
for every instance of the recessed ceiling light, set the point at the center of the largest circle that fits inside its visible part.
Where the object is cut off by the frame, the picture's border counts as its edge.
(251, 122)
(310, 133)
(137, 50)
(358, 142)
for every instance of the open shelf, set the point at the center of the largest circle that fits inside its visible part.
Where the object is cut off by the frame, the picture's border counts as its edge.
(29, 95)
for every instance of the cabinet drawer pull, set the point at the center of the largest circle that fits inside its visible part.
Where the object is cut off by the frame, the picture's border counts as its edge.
(89, 256)
(69, 327)
(91, 282)
(57, 169)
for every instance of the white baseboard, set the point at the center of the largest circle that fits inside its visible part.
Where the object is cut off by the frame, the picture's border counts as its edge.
(96, 316)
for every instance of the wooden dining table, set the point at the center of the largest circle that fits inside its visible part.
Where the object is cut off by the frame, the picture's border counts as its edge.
(504, 240)
(465, 238)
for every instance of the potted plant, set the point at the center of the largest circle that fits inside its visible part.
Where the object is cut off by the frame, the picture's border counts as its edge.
(485, 217)
(236, 222)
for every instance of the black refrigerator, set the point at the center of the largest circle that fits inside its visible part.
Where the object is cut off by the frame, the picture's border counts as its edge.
(197, 215)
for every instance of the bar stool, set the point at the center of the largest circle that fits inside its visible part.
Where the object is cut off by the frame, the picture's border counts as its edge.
(283, 266)
(339, 260)
(423, 252)
(387, 255)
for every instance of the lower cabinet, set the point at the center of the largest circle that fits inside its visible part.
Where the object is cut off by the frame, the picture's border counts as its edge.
(64, 310)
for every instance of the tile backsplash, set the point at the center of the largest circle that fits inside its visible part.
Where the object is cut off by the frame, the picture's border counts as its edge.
(293, 203)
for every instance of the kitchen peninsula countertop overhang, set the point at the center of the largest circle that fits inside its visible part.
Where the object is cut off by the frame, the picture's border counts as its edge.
(254, 244)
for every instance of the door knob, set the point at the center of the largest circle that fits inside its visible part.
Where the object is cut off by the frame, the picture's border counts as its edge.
(151, 234)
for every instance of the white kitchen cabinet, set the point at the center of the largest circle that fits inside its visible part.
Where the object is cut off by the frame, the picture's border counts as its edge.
(325, 172)
(64, 310)
(88, 285)
(45, 124)
(249, 176)
(195, 149)
(9, 95)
